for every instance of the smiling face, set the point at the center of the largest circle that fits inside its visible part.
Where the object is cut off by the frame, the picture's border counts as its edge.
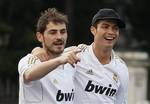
(54, 37)
(106, 34)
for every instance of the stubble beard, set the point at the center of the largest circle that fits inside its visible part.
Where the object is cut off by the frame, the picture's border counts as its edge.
(53, 51)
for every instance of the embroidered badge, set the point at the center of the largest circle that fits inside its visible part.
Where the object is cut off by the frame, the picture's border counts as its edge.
(55, 81)
(115, 77)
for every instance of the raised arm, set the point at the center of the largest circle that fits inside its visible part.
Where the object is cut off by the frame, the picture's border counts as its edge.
(39, 70)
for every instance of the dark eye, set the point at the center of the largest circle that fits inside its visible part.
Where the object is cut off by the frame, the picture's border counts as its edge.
(116, 28)
(63, 31)
(105, 26)
(52, 32)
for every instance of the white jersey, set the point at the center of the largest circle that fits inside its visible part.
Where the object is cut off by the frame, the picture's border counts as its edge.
(100, 84)
(54, 88)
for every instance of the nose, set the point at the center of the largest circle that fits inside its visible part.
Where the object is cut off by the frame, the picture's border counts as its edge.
(59, 35)
(111, 31)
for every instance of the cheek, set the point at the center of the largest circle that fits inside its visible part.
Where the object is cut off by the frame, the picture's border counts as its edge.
(117, 36)
(116, 39)
(65, 36)
(49, 39)
(98, 37)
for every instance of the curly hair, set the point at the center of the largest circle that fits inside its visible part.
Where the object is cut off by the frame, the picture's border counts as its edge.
(50, 15)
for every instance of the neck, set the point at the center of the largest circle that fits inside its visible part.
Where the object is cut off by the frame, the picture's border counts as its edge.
(52, 55)
(103, 54)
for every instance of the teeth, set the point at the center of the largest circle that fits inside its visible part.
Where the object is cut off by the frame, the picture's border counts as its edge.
(109, 38)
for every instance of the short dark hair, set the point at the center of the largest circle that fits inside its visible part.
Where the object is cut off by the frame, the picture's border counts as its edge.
(50, 15)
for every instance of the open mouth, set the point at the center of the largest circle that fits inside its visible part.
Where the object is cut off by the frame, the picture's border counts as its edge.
(60, 43)
(109, 38)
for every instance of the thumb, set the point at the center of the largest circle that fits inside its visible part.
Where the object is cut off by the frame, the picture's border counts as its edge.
(77, 50)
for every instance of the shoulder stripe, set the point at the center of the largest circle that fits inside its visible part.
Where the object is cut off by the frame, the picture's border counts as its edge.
(32, 60)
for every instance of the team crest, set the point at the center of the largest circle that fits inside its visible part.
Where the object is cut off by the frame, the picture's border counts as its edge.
(55, 81)
(115, 77)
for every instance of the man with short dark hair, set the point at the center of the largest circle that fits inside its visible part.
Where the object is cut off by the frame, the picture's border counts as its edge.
(102, 76)
(47, 82)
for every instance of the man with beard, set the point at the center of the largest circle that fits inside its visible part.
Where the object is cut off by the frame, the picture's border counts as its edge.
(48, 82)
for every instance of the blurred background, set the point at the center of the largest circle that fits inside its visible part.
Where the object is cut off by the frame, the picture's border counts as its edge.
(17, 38)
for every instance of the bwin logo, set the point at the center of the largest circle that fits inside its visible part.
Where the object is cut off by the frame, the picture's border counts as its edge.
(108, 91)
(65, 96)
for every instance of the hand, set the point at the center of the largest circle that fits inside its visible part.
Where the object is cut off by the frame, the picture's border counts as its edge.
(40, 53)
(70, 57)
(70, 48)
(82, 46)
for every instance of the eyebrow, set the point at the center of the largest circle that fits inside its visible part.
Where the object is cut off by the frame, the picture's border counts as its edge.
(114, 23)
(57, 29)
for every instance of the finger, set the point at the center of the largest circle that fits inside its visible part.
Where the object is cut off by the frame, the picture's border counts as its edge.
(75, 57)
(35, 50)
(69, 48)
(77, 50)
(71, 59)
(82, 46)
(42, 57)
(71, 63)
(46, 57)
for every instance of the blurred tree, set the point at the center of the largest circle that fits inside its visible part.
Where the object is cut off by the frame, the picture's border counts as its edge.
(17, 28)
(139, 13)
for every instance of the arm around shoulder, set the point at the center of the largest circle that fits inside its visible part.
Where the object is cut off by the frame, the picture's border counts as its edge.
(40, 69)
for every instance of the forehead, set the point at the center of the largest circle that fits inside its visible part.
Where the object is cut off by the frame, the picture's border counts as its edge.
(56, 25)
(108, 22)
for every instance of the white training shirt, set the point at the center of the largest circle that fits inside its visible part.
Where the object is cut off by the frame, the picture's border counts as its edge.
(100, 84)
(54, 88)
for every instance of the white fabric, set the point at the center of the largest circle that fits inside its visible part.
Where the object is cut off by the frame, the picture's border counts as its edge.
(100, 84)
(55, 88)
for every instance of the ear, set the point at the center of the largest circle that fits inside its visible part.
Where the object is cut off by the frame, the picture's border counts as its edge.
(39, 37)
(93, 30)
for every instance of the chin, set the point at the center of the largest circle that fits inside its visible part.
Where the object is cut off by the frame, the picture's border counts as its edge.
(59, 51)
(109, 45)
